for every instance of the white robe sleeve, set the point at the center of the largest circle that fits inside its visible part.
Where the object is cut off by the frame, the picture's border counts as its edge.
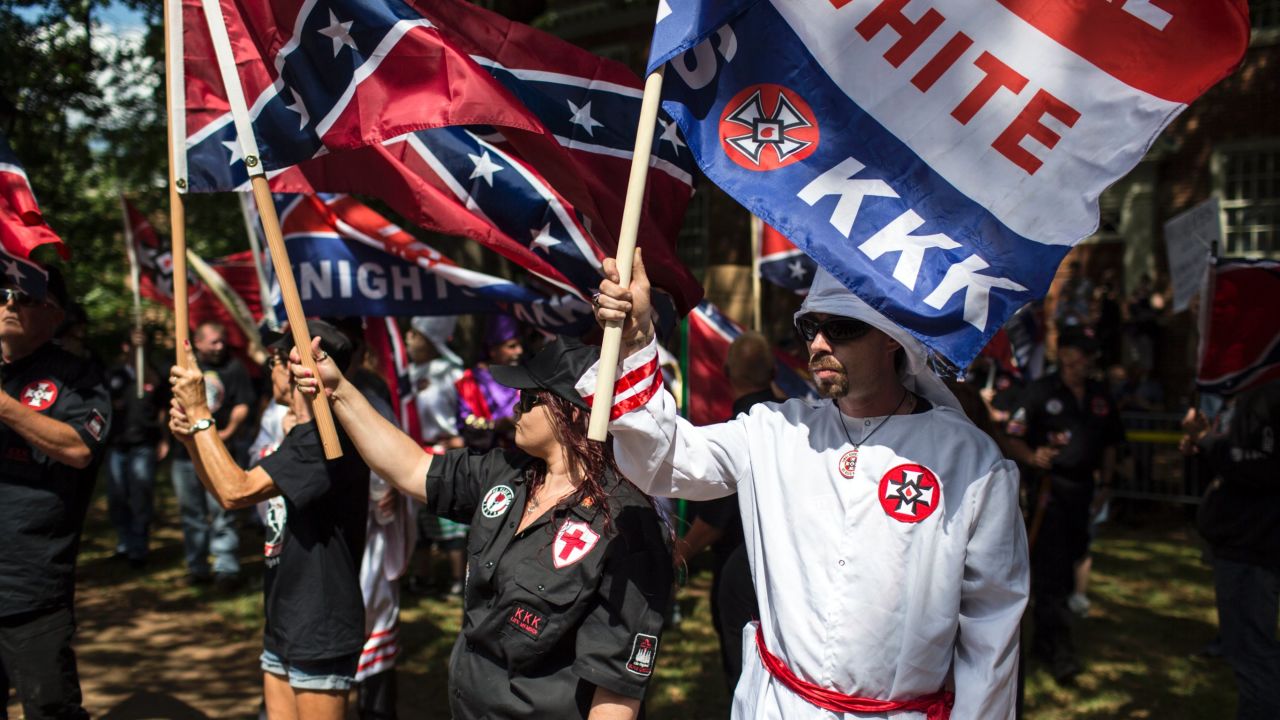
(993, 596)
(661, 452)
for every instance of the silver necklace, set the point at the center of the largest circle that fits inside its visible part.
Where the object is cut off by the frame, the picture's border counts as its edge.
(849, 461)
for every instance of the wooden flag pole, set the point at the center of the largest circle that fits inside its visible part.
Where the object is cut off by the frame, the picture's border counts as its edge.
(757, 247)
(174, 90)
(135, 277)
(611, 345)
(270, 221)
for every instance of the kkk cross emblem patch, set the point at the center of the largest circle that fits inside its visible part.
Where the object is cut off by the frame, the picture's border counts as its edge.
(766, 127)
(910, 493)
(496, 501)
(643, 653)
(39, 395)
(573, 542)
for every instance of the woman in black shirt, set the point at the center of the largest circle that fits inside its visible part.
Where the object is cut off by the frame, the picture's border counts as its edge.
(569, 566)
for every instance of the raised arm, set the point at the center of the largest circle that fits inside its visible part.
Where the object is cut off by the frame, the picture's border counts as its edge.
(218, 471)
(387, 450)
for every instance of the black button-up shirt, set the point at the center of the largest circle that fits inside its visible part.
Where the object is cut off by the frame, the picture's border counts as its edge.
(43, 502)
(575, 601)
(1049, 414)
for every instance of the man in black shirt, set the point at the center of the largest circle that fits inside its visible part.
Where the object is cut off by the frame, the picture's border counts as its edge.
(314, 628)
(54, 417)
(1240, 518)
(136, 440)
(206, 527)
(1066, 428)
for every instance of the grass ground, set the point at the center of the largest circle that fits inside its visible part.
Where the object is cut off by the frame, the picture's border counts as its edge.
(150, 646)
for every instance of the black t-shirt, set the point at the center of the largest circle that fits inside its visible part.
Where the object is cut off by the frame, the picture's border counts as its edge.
(43, 502)
(1048, 414)
(135, 420)
(226, 386)
(315, 541)
(563, 607)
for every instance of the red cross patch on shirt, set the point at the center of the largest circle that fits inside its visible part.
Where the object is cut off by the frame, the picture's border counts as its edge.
(573, 542)
(39, 395)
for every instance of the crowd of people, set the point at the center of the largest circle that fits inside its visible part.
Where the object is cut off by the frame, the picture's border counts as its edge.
(873, 551)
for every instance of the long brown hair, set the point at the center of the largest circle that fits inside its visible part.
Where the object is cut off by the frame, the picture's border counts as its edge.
(591, 459)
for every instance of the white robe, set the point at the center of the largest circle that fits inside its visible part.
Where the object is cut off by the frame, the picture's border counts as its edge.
(850, 598)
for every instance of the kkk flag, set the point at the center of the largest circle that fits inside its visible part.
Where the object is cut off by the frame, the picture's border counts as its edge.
(782, 263)
(1240, 348)
(939, 157)
(22, 227)
(710, 395)
(349, 260)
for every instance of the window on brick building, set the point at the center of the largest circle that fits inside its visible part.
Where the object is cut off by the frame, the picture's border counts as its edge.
(1264, 19)
(1247, 180)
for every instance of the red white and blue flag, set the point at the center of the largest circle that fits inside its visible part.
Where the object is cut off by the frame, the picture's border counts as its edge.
(1241, 347)
(350, 260)
(782, 263)
(22, 227)
(939, 157)
(481, 127)
(710, 394)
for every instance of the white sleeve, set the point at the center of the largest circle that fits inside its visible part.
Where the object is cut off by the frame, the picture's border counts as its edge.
(661, 452)
(993, 596)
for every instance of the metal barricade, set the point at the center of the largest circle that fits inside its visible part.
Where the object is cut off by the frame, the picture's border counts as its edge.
(1152, 467)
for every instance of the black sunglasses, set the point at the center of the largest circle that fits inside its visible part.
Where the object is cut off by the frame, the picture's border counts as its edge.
(529, 399)
(834, 329)
(18, 297)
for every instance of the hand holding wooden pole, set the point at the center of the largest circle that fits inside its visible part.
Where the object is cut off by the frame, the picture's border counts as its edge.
(611, 345)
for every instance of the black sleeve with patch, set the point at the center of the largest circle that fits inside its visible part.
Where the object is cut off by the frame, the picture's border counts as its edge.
(457, 480)
(617, 642)
(84, 403)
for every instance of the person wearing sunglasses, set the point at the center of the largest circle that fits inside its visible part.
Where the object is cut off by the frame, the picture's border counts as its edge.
(882, 527)
(569, 572)
(55, 413)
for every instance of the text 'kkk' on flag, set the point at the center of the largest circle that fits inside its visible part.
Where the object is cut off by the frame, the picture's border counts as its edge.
(939, 157)
(483, 128)
(22, 227)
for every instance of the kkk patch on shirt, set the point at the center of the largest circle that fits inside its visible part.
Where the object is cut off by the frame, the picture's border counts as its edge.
(39, 395)
(526, 621)
(573, 542)
(909, 493)
(644, 651)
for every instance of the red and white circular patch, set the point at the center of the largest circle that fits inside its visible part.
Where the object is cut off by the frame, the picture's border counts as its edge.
(848, 463)
(910, 493)
(39, 395)
(766, 127)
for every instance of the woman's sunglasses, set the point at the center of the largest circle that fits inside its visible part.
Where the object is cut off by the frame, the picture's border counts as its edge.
(529, 399)
(834, 329)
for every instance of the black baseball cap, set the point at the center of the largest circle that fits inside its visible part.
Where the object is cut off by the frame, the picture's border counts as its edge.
(332, 341)
(556, 368)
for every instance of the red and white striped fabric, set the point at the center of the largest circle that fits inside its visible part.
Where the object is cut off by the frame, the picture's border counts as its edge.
(639, 379)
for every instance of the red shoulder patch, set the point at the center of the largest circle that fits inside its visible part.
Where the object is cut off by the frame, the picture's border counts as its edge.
(39, 395)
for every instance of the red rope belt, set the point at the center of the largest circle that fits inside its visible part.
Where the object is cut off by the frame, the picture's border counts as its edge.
(935, 706)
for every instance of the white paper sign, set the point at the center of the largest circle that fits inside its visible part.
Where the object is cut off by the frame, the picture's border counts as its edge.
(1189, 238)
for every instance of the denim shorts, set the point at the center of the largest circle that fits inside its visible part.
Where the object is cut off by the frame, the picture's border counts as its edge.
(332, 674)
